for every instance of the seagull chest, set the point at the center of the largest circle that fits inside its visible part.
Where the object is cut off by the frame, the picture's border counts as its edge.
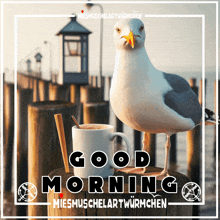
(140, 105)
(134, 106)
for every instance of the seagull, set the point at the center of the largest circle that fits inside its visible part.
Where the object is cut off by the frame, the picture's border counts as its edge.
(147, 99)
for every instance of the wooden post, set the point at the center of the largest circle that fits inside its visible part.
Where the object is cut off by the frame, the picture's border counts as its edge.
(94, 81)
(137, 140)
(151, 148)
(22, 81)
(169, 210)
(59, 93)
(96, 113)
(89, 95)
(19, 79)
(173, 153)
(43, 90)
(8, 134)
(9, 206)
(201, 89)
(44, 152)
(26, 82)
(118, 128)
(24, 97)
(103, 86)
(36, 97)
(75, 98)
(31, 82)
(90, 80)
(193, 150)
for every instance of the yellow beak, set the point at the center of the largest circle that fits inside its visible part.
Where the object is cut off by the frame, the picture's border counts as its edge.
(130, 39)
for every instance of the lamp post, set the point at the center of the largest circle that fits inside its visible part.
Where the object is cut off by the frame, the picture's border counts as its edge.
(89, 6)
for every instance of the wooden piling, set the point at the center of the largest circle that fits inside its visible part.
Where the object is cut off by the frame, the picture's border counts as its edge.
(23, 81)
(95, 81)
(19, 79)
(151, 148)
(43, 90)
(36, 96)
(169, 210)
(90, 80)
(9, 207)
(193, 145)
(89, 95)
(31, 82)
(8, 134)
(44, 152)
(96, 113)
(24, 97)
(137, 140)
(27, 82)
(173, 152)
(59, 92)
(75, 98)
(193, 150)
(118, 128)
(103, 86)
(201, 89)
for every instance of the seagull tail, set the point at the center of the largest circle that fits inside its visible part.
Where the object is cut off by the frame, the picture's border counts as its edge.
(210, 118)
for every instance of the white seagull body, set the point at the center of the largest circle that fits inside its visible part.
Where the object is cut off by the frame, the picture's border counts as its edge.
(139, 94)
(145, 98)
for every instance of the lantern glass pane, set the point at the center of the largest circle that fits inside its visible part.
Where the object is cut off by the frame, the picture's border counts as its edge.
(72, 37)
(72, 48)
(73, 64)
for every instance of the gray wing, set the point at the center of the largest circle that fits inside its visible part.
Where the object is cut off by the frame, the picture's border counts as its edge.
(182, 99)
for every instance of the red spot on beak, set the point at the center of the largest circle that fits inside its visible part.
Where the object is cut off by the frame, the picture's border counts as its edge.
(82, 11)
(61, 195)
(129, 41)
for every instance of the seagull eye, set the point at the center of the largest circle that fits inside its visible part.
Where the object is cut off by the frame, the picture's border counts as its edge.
(142, 28)
(118, 30)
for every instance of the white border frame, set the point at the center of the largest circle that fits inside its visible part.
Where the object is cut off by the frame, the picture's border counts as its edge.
(203, 75)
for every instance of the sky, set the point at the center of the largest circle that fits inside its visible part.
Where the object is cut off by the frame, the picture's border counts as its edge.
(174, 45)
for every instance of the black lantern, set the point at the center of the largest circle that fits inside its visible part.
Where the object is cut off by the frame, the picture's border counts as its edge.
(38, 57)
(74, 54)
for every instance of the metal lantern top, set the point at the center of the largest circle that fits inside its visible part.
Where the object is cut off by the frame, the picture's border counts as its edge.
(74, 28)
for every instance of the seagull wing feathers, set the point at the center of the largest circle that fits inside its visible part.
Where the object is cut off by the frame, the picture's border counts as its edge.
(182, 99)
